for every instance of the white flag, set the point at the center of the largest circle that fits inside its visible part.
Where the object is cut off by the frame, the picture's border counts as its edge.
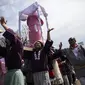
(31, 9)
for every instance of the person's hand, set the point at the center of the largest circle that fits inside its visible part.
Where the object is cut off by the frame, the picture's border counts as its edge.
(3, 23)
(2, 20)
(60, 45)
(50, 29)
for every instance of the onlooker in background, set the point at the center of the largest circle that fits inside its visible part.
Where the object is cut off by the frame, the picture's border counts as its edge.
(76, 55)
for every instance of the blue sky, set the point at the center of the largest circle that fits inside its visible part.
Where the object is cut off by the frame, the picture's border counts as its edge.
(66, 16)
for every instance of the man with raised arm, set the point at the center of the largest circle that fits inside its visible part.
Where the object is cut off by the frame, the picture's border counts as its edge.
(13, 56)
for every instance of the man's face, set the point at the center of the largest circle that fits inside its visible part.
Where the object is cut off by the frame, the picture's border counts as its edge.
(72, 42)
(37, 45)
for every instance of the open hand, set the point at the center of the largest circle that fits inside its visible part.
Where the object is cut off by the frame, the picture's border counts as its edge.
(60, 45)
(50, 29)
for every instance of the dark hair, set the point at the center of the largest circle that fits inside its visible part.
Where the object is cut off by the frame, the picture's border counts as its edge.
(70, 39)
(41, 43)
(74, 39)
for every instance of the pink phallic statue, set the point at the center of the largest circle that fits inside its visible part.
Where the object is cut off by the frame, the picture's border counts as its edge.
(34, 29)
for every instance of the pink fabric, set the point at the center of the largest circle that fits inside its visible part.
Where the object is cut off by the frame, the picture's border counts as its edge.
(2, 66)
(2, 79)
(2, 71)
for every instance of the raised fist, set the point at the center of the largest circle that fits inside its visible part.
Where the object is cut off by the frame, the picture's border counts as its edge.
(2, 20)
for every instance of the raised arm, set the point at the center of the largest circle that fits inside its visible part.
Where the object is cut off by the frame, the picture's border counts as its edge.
(3, 23)
(49, 42)
(48, 34)
(9, 33)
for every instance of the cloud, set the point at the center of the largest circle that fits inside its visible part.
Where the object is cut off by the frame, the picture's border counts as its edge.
(10, 9)
(67, 17)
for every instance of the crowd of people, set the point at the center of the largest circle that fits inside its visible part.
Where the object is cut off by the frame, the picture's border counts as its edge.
(35, 67)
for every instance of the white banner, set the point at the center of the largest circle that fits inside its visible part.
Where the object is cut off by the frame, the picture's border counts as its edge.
(30, 10)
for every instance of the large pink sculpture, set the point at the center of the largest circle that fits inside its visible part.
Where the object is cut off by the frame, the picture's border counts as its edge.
(34, 22)
(35, 32)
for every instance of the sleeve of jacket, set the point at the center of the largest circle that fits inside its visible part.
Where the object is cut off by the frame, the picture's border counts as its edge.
(57, 54)
(2, 51)
(9, 34)
(28, 54)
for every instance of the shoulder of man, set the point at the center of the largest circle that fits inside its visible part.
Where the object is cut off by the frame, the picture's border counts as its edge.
(82, 48)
